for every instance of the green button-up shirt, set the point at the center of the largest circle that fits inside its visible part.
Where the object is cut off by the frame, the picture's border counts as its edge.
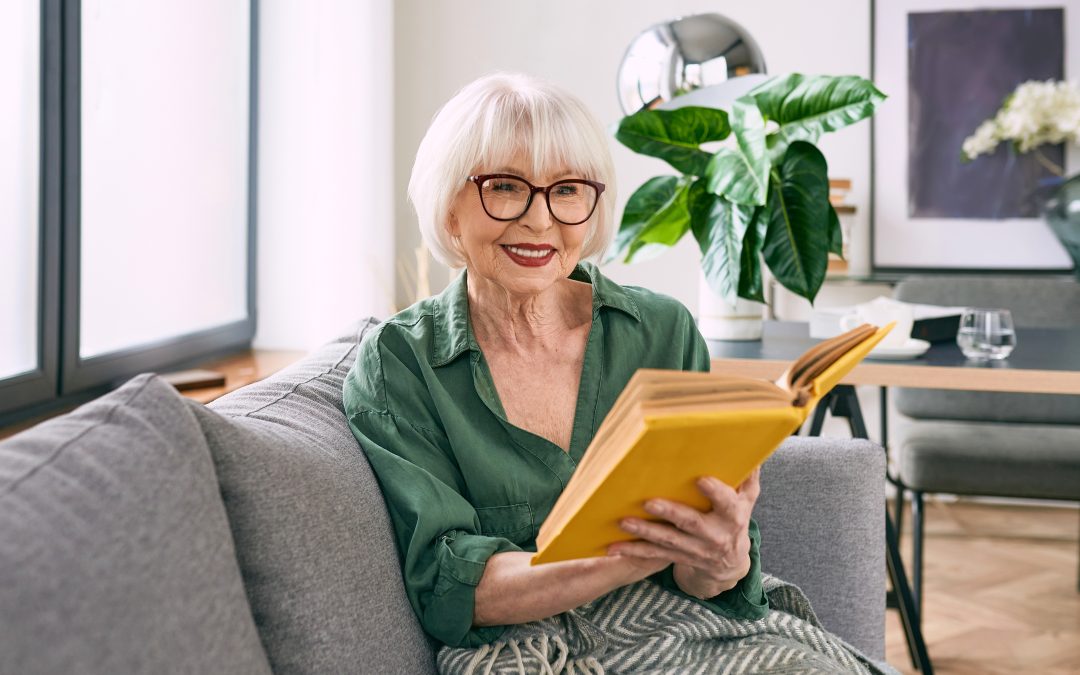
(462, 483)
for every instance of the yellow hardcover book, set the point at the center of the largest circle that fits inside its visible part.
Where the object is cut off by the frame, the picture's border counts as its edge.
(668, 428)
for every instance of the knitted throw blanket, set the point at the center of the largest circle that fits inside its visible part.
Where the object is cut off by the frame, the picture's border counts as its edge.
(643, 628)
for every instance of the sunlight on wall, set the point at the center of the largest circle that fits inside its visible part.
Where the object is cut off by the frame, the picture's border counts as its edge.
(325, 168)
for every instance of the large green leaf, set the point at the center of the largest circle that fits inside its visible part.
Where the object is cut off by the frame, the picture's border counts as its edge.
(751, 286)
(668, 225)
(646, 202)
(797, 238)
(741, 174)
(657, 213)
(719, 227)
(836, 234)
(674, 135)
(805, 107)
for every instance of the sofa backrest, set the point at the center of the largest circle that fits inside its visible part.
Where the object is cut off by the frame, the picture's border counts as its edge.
(115, 550)
(1034, 302)
(313, 539)
(321, 566)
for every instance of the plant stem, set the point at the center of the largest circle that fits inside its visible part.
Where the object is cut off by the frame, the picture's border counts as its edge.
(1048, 165)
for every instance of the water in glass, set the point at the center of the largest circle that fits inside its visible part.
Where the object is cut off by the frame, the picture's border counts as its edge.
(986, 334)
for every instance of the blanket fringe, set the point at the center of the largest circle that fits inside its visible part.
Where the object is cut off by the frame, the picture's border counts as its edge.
(557, 663)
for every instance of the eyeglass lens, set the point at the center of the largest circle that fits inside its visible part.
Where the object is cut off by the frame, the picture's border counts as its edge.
(570, 202)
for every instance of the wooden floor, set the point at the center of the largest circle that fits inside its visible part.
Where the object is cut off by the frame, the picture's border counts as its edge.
(1001, 590)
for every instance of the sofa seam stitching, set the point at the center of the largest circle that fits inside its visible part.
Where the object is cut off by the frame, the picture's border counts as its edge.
(296, 386)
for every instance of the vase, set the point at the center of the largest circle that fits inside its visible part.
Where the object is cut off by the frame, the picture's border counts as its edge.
(1062, 214)
(719, 319)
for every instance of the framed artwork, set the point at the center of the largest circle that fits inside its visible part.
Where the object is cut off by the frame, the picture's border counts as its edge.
(947, 65)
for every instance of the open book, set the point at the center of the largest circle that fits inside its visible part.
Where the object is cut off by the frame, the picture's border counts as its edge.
(668, 428)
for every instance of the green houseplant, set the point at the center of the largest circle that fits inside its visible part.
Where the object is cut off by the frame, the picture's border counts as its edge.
(762, 197)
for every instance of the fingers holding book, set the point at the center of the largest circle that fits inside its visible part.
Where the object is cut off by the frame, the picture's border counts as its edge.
(711, 550)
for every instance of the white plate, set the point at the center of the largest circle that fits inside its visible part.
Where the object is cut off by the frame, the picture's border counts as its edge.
(909, 350)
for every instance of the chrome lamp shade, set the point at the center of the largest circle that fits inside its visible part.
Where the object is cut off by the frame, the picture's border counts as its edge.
(704, 59)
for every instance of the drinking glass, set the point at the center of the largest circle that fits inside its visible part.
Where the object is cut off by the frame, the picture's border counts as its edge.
(986, 334)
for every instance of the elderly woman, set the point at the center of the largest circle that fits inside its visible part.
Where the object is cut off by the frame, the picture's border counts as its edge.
(475, 406)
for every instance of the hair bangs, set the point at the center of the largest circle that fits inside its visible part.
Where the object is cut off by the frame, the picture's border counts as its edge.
(537, 127)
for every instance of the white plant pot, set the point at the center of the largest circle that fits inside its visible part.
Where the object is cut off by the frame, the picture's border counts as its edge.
(718, 319)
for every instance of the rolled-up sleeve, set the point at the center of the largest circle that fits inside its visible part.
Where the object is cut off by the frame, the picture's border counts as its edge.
(437, 531)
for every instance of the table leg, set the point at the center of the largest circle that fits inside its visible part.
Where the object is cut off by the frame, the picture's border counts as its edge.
(905, 604)
(901, 489)
(883, 399)
(842, 401)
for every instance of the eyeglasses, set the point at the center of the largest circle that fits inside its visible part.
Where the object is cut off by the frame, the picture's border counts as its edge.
(508, 197)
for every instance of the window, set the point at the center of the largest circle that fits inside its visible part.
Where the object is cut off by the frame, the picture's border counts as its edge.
(20, 185)
(152, 266)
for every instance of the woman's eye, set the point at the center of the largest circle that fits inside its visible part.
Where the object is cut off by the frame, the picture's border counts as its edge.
(504, 187)
(567, 190)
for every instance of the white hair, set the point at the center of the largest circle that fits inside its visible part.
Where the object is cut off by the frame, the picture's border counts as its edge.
(483, 126)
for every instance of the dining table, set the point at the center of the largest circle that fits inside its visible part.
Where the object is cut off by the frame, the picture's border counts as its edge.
(1044, 361)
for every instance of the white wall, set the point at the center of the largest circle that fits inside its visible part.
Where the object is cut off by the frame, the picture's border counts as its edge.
(325, 185)
(441, 46)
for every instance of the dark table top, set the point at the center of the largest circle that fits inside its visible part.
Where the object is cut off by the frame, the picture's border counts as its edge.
(1044, 360)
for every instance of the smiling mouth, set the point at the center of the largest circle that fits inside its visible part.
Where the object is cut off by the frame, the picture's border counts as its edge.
(529, 250)
(529, 255)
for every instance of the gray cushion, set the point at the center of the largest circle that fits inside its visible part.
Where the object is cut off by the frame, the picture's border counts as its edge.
(115, 551)
(1007, 460)
(988, 406)
(821, 513)
(315, 544)
(1035, 302)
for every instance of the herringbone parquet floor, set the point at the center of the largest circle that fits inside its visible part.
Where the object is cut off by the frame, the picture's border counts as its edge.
(1001, 590)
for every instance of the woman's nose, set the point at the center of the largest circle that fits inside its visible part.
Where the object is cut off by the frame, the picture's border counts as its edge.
(537, 216)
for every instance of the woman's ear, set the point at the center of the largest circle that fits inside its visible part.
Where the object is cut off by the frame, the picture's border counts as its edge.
(452, 225)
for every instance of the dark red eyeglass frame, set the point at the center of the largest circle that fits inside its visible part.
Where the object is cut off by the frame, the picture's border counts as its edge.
(533, 189)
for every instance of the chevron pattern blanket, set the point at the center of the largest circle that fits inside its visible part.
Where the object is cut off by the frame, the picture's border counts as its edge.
(643, 628)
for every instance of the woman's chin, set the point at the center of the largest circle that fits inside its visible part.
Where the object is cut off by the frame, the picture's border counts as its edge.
(527, 279)
(533, 285)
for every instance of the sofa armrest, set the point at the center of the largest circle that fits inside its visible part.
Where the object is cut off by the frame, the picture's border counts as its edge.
(821, 513)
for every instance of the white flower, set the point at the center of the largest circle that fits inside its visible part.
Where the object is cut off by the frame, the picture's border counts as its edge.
(983, 141)
(1036, 113)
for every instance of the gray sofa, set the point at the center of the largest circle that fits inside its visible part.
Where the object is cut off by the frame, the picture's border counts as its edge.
(146, 533)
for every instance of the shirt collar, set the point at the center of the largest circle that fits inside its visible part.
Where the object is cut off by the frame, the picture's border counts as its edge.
(452, 333)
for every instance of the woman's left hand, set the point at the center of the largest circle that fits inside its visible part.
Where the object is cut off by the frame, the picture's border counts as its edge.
(711, 550)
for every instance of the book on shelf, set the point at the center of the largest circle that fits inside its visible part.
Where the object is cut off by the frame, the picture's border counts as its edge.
(668, 428)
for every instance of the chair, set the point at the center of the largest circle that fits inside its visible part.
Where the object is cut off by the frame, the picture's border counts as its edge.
(988, 443)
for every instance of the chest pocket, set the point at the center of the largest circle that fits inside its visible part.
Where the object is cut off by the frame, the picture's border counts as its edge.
(513, 522)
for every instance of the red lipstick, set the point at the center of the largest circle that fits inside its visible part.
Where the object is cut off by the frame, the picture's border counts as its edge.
(542, 256)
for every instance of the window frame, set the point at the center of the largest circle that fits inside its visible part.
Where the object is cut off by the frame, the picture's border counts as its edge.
(62, 377)
(39, 385)
(178, 351)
